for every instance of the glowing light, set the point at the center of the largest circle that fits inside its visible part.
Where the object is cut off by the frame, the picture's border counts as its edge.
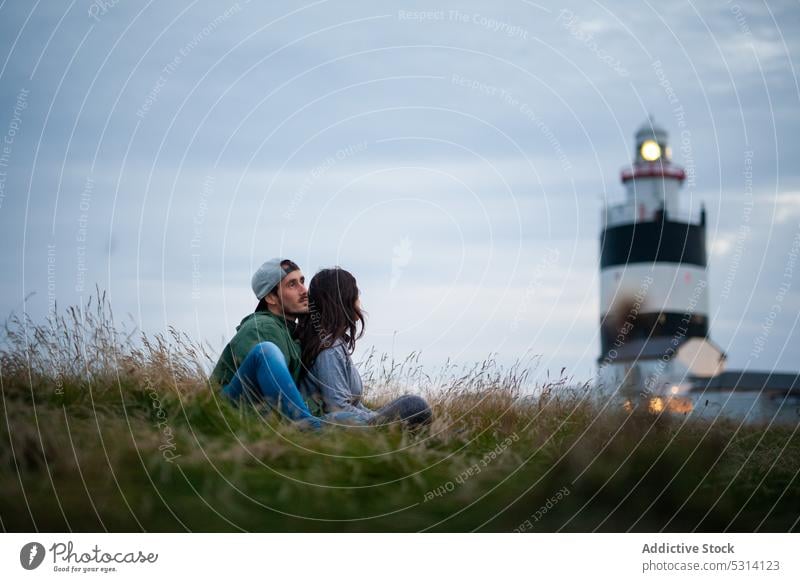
(650, 150)
(656, 405)
(675, 389)
(680, 405)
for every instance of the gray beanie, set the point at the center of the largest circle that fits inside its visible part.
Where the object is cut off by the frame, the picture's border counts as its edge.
(268, 275)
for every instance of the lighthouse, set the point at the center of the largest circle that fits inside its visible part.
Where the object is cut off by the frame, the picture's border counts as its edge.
(654, 307)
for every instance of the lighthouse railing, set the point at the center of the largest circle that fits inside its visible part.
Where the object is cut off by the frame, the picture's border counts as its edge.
(629, 212)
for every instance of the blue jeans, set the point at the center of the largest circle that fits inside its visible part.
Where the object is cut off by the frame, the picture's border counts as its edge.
(264, 376)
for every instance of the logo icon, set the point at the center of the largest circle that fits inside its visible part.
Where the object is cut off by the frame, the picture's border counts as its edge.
(31, 555)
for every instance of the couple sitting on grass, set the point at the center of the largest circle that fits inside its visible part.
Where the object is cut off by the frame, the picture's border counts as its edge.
(293, 352)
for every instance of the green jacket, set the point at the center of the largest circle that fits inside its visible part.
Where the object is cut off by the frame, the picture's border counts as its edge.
(261, 326)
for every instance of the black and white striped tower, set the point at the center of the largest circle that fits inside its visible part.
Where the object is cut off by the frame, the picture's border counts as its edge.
(652, 259)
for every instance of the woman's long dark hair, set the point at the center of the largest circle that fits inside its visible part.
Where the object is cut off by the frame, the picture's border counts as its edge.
(332, 315)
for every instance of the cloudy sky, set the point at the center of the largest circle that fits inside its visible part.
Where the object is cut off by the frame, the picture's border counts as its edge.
(454, 156)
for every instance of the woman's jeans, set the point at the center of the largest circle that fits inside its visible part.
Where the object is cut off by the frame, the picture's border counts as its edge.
(413, 411)
(264, 375)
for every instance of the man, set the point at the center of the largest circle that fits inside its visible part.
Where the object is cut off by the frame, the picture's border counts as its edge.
(262, 361)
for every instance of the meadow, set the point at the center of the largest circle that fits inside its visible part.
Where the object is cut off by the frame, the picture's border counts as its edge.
(105, 429)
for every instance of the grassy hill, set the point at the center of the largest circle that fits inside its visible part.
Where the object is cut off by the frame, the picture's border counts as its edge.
(105, 430)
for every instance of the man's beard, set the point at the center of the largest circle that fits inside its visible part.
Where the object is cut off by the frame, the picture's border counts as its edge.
(294, 314)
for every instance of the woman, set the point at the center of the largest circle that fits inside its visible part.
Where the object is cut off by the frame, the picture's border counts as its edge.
(327, 339)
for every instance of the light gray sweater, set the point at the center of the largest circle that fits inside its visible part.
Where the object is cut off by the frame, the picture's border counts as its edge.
(334, 382)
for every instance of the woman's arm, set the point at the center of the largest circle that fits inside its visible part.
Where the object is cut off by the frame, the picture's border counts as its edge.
(333, 375)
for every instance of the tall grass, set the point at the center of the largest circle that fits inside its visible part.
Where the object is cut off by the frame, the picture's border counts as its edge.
(105, 428)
